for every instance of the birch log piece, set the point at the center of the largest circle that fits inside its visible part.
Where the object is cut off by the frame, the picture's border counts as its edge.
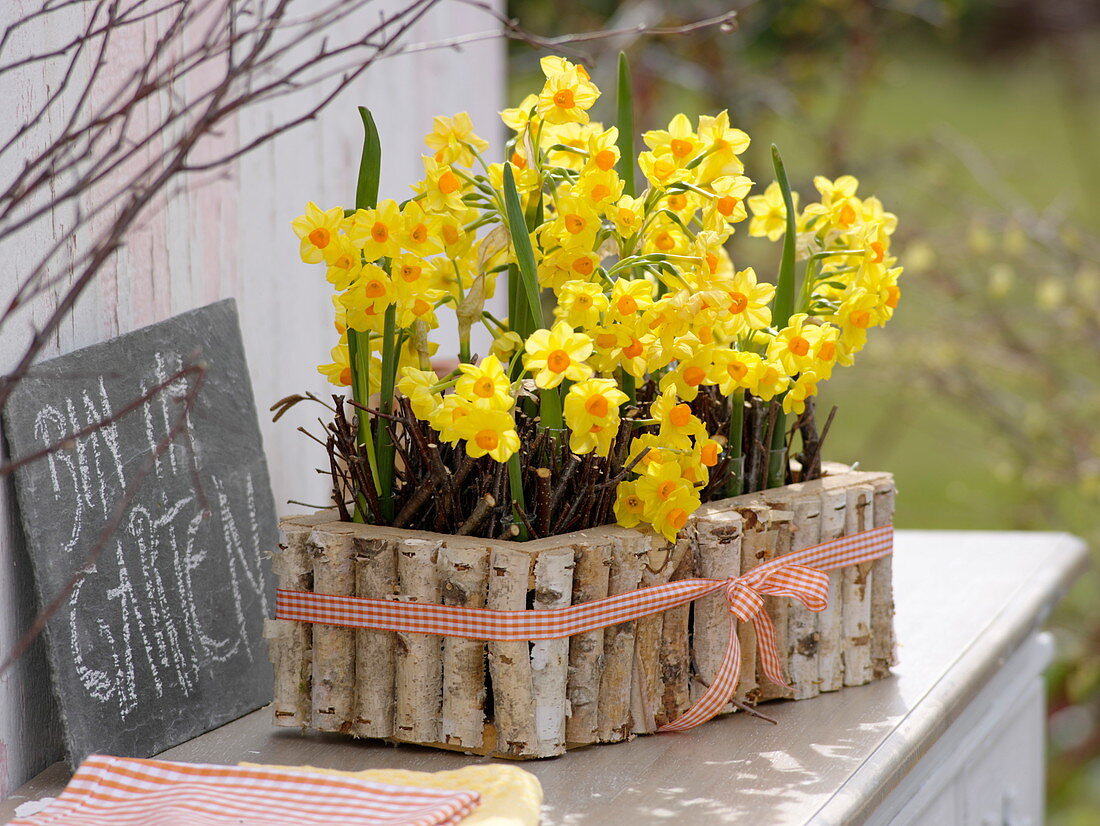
(754, 550)
(333, 554)
(590, 582)
(777, 542)
(628, 557)
(510, 662)
(550, 658)
(290, 643)
(803, 639)
(376, 578)
(830, 662)
(464, 576)
(419, 674)
(646, 685)
(883, 645)
(676, 645)
(857, 591)
(717, 543)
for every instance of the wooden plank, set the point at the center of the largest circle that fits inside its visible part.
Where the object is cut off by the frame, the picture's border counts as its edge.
(510, 662)
(419, 665)
(834, 506)
(857, 591)
(375, 651)
(464, 577)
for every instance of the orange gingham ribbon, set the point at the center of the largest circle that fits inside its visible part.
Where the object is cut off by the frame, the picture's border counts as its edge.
(799, 575)
(108, 791)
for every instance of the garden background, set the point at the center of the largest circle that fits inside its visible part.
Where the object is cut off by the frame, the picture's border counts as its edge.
(978, 123)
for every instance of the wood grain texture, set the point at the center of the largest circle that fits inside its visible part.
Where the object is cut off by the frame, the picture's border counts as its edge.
(755, 549)
(590, 582)
(884, 653)
(510, 662)
(419, 672)
(291, 643)
(628, 557)
(856, 622)
(465, 576)
(375, 651)
(830, 662)
(333, 682)
(550, 658)
(717, 547)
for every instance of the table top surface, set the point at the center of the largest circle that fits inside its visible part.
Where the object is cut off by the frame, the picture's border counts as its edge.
(965, 601)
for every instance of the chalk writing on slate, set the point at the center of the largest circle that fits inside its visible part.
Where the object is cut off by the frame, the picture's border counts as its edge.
(163, 638)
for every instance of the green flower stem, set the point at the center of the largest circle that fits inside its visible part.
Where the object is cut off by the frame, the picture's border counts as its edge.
(784, 309)
(550, 409)
(736, 483)
(629, 386)
(384, 441)
(360, 392)
(515, 490)
(625, 122)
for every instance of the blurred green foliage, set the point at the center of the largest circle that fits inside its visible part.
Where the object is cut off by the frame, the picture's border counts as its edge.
(978, 123)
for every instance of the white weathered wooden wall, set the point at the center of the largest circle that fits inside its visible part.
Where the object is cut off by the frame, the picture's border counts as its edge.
(231, 237)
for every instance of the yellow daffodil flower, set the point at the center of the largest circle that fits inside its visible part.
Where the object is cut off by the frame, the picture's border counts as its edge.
(317, 230)
(488, 432)
(769, 213)
(453, 140)
(486, 384)
(557, 354)
(376, 231)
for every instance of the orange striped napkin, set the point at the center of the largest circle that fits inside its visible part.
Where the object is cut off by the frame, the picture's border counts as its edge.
(117, 791)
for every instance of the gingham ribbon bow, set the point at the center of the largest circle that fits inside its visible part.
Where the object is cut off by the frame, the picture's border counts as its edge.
(799, 575)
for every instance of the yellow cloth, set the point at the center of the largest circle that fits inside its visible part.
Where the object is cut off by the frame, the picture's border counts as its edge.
(510, 796)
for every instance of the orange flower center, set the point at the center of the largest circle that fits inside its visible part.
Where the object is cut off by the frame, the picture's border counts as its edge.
(487, 439)
(574, 223)
(860, 318)
(450, 234)
(680, 147)
(345, 377)
(605, 159)
(677, 201)
(582, 301)
(596, 406)
(798, 345)
(380, 232)
(709, 454)
(320, 238)
(626, 217)
(419, 233)
(893, 294)
(827, 352)
(680, 415)
(563, 98)
(879, 250)
(448, 182)
(664, 242)
(420, 307)
(374, 288)
(344, 262)
(583, 265)
(666, 489)
(606, 341)
(634, 349)
(847, 216)
(558, 361)
(737, 370)
(627, 304)
(739, 302)
(518, 161)
(694, 376)
(599, 193)
(712, 262)
(662, 169)
(485, 387)
(677, 518)
(633, 503)
(726, 205)
(410, 273)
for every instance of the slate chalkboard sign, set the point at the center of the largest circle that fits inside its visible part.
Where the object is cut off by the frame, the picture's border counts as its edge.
(163, 638)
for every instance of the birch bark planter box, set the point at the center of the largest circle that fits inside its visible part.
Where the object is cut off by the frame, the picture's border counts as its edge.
(537, 699)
